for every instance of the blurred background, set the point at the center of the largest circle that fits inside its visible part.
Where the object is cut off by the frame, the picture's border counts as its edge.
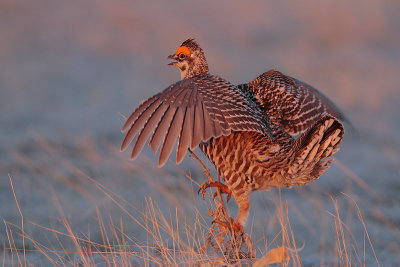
(70, 69)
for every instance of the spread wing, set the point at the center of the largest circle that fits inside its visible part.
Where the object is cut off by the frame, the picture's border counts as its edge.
(192, 111)
(292, 104)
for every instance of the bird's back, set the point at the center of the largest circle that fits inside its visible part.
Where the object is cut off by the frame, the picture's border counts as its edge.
(290, 103)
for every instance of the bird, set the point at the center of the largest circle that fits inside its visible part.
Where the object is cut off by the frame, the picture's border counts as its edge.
(248, 131)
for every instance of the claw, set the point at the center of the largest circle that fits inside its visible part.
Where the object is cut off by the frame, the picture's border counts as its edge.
(224, 189)
(202, 190)
(232, 225)
(228, 197)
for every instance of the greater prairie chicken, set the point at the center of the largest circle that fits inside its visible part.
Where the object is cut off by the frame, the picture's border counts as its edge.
(244, 130)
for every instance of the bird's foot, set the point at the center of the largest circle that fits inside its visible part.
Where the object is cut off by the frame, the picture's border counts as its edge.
(235, 227)
(224, 189)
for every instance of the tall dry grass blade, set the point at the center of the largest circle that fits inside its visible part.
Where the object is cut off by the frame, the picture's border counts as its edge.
(22, 221)
(11, 243)
(40, 248)
(341, 240)
(4, 257)
(359, 214)
(295, 251)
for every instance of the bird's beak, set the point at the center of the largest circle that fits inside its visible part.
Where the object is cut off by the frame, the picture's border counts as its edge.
(174, 57)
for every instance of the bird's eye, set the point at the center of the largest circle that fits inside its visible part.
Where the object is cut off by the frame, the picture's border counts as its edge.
(182, 55)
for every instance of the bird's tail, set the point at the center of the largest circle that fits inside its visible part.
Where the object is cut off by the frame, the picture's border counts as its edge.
(310, 154)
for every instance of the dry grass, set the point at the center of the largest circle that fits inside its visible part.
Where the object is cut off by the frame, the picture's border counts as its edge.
(182, 237)
(173, 241)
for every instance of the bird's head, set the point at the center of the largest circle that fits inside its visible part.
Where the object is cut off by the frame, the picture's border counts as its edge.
(190, 59)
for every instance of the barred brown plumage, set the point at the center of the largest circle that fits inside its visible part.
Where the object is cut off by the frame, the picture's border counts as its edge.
(194, 109)
(247, 161)
(292, 104)
(244, 130)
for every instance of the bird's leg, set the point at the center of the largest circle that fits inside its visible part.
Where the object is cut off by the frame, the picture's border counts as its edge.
(243, 202)
(236, 225)
(229, 223)
(223, 189)
(232, 225)
(207, 172)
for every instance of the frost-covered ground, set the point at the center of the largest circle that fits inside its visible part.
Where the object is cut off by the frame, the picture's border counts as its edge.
(68, 68)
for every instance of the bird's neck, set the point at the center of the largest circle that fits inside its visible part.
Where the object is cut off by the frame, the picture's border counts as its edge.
(198, 67)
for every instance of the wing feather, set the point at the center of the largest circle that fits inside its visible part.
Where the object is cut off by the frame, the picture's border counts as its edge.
(139, 121)
(132, 118)
(292, 104)
(192, 111)
(161, 129)
(172, 135)
(198, 126)
(147, 130)
(186, 135)
(208, 124)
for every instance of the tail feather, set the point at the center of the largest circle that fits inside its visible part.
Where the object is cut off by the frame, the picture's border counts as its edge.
(310, 154)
